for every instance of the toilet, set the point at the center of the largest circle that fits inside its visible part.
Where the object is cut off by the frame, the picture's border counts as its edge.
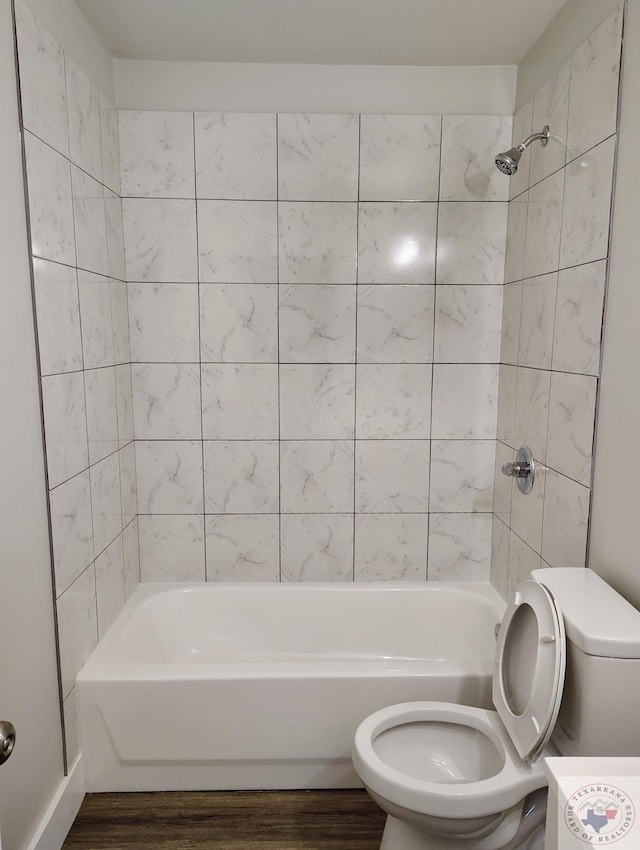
(566, 682)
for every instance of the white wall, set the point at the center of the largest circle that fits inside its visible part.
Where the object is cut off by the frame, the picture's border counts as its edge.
(615, 518)
(220, 87)
(69, 27)
(575, 21)
(28, 683)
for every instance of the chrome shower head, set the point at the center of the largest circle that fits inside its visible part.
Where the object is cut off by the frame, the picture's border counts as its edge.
(507, 162)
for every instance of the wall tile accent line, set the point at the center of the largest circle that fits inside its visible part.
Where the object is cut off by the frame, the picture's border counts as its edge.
(556, 264)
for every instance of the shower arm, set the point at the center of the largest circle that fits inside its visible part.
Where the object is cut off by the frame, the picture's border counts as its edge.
(542, 137)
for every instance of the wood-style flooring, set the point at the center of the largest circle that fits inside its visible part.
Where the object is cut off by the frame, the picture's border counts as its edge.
(228, 820)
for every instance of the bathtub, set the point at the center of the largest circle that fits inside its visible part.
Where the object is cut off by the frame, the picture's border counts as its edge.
(239, 686)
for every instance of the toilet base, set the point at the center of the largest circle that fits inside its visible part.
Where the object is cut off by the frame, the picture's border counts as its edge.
(399, 835)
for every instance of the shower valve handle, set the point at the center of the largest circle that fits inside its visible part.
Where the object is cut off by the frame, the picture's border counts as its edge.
(516, 470)
(523, 469)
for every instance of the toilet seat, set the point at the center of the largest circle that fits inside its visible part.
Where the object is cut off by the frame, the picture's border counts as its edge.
(527, 690)
(475, 798)
(530, 662)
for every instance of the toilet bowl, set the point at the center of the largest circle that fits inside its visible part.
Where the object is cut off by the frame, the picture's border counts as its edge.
(456, 777)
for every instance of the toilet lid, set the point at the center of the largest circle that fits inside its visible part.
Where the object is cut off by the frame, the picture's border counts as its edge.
(529, 668)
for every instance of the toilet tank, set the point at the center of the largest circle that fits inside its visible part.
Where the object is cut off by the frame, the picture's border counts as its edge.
(601, 699)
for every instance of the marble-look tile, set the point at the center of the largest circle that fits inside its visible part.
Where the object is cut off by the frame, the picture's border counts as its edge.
(160, 240)
(131, 556)
(550, 107)
(500, 557)
(318, 242)
(42, 81)
(522, 560)
(171, 548)
(396, 243)
(238, 241)
(572, 408)
(106, 505)
(317, 324)
(236, 156)
(392, 476)
(65, 426)
(511, 315)
(566, 515)
(238, 324)
(399, 157)
(462, 475)
(532, 411)
(522, 127)
(110, 144)
(124, 404)
(77, 627)
(390, 547)
(166, 401)
(241, 477)
(120, 322)
(393, 401)
(90, 222)
(395, 324)
(163, 323)
(128, 483)
(239, 402)
(465, 401)
(50, 202)
(578, 322)
(83, 107)
(536, 322)
(516, 238)
(459, 547)
(170, 477)
(468, 324)
(109, 568)
(503, 485)
(58, 313)
(71, 529)
(102, 418)
(593, 98)
(96, 320)
(316, 476)
(71, 742)
(527, 511)
(469, 147)
(507, 387)
(318, 157)
(156, 154)
(544, 218)
(316, 547)
(317, 402)
(587, 205)
(471, 242)
(243, 548)
(115, 235)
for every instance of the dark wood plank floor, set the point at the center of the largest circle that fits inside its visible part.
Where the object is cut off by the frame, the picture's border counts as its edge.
(228, 820)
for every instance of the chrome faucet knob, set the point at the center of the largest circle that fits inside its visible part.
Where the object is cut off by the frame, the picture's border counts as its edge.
(523, 469)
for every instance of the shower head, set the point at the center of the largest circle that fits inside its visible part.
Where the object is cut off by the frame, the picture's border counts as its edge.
(507, 162)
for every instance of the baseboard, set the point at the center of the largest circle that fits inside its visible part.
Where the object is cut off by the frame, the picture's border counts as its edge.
(62, 811)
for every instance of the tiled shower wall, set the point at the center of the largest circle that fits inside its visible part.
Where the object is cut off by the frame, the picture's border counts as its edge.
(315, 307)
(556, 264)
(73, 178)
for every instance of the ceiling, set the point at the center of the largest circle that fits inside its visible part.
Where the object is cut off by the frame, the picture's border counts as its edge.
(327, 32)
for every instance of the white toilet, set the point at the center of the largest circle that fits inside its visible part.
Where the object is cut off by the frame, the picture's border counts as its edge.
(454, 777)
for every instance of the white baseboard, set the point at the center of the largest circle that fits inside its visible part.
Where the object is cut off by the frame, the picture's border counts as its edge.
(62, 811)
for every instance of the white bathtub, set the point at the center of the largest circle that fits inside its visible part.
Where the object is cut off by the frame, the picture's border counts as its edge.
(229, 686)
